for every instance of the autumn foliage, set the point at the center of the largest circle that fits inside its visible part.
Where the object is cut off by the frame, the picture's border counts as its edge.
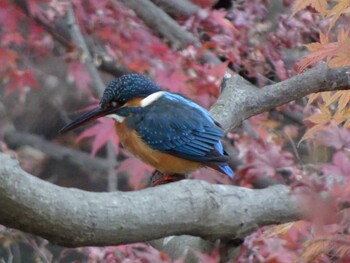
(45, 81)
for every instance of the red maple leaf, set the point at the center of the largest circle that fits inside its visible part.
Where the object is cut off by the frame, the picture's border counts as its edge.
(263, 159)
(175, 81)
(102, 132)
(136, 171)
(333, 136)
(80, 76)
(9, 16)
(20, 80)
(339, 167)
(8, 59)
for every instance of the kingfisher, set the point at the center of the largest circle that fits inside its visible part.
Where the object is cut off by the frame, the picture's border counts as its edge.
(163, 129)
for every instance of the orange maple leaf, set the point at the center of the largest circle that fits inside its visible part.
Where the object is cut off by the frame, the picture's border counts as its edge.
(342, 7)
(343, 99)
(319, 5)
(330, 96)
(320, 119)
(319, 51)
(312, 97)
(342, 56)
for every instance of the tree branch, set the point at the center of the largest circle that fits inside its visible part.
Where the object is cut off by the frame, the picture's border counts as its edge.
(157, 19)
(183, 8)
(60, 153)
(73, 217)
(98, 87)
(60, 32)
(241, 100)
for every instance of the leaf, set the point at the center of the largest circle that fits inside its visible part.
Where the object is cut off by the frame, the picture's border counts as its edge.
(311, 132)
(78, 73)
(319, 5)
(14, 38)
(329, 97)
(347, 124)
(344, 99)
(333, 136)
(263, 159)
(20, 80)
(342, 56)
(322, 117)
(319, 52)
(34, 7)
(9, 17)
(136, 170)
(175, 81)
(213, 257)
(315, 248)
(338, 117)
(337, 10)
(8, 59)
(279, 229)
(312, 97)
(102, 132)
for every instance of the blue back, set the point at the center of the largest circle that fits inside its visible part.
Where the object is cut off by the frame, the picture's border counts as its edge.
(178, 126)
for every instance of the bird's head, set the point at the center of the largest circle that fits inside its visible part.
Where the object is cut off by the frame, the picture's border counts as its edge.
(118, 94)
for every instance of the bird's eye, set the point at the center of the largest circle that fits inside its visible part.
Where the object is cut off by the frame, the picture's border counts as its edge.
(114, 103)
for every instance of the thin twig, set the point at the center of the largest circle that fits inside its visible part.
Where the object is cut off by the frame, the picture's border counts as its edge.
(98, 86)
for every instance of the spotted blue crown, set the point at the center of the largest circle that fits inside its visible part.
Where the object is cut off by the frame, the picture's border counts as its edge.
(128, 87)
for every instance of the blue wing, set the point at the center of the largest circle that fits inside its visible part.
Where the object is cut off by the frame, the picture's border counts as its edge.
(175, 125)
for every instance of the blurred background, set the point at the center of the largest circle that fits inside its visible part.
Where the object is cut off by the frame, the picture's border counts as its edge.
(56, 55)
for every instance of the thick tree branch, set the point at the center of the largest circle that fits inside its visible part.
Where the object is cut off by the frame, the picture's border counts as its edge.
(73, 217)
(241, 100)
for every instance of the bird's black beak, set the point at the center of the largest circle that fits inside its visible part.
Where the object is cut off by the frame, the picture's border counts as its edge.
(87, 117)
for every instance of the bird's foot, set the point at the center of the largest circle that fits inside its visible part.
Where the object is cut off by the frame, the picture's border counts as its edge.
(158, 178)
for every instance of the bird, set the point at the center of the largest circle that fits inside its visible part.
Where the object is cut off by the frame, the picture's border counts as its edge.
(163, 129)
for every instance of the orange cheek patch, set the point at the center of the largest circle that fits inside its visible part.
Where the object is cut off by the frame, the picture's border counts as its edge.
(136, 102)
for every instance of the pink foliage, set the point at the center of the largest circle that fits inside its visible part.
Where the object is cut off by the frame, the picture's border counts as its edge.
(246, 41)
(102, 132)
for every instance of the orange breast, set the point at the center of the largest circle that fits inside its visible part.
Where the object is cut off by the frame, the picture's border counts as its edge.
(163, 162)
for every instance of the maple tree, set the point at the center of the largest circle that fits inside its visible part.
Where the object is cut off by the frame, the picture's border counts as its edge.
(57, 55)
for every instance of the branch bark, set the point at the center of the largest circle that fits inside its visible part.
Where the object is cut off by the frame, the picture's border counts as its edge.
(60, 32)
(157, 19)
(73, 217)
(241, 100)
(98, 87)
(178, 8)
(59, 153)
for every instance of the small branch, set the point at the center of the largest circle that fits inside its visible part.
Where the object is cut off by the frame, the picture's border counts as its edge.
(156, 19)
(60, 32)
(183, 8)
(241, 100)
(97, 86)
(73, 217)
(112, 182)
(57, 152)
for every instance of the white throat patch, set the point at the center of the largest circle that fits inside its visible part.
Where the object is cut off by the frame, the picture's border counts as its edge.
(151, 98)
(118, 118)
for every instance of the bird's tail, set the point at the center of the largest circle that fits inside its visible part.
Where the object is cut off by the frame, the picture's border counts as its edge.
(226, 170)
(223, 168)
